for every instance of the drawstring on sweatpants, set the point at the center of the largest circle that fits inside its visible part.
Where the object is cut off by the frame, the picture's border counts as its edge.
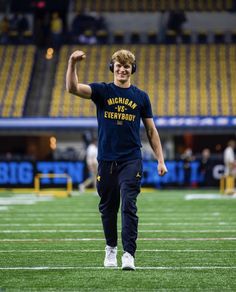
(112, 164)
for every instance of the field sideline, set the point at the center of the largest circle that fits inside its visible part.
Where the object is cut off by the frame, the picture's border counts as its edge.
(186, 243)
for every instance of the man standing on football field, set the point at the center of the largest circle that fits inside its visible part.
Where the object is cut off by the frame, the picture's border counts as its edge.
(120, 107)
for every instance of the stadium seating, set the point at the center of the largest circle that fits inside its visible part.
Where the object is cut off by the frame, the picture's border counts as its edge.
(16, 63)
(153, 5)
(181, 80)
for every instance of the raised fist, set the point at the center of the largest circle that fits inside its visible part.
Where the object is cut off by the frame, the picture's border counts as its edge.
(77, 56)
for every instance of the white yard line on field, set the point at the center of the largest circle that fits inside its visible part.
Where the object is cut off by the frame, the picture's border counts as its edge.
(85, 217)
(3, 208)
(78, 213)
(208, 197)
(140, 224)
(101, 231)
(23, 200)
(96, 212)
(102, 239)
(102, 268)
(102, 250)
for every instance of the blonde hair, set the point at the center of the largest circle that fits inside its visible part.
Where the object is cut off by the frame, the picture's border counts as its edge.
(123, 57)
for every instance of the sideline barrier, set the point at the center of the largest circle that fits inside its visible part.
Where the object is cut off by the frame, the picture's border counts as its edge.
(60, 193)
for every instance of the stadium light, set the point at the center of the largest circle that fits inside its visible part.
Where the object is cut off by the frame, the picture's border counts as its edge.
(49, 53)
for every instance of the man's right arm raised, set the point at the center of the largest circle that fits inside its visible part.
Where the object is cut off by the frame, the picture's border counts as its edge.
(72, 84)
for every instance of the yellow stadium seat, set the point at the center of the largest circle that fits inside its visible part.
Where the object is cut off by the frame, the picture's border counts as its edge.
(184, 80)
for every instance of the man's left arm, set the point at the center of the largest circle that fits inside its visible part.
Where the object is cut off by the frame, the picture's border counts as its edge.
(155, 143)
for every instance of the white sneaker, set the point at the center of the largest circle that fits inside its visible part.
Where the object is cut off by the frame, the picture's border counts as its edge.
(110, 260)
(127, 261)
(81, 188)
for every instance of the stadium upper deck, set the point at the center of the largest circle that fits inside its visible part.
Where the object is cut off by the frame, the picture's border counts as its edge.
(153, 5)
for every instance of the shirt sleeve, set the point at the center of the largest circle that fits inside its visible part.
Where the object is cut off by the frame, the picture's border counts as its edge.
(147, 108)
(98, 92)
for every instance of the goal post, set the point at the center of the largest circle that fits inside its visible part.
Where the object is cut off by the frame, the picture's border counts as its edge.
(67, 192)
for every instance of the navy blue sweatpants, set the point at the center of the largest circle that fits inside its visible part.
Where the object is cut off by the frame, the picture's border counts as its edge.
(119, 180)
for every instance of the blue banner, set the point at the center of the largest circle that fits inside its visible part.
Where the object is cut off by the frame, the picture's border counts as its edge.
(21, 174)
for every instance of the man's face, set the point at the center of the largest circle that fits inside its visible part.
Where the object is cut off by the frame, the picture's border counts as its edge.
(122, 72)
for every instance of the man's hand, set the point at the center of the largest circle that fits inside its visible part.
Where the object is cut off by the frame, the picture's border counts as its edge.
(161, 168)
(77, 56)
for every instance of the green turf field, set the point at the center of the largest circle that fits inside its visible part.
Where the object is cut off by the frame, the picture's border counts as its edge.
(185, 244)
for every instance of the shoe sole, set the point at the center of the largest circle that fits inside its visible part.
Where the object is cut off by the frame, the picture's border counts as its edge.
(128, 268)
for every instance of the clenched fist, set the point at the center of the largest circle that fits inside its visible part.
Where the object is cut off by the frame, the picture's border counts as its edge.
(77, 56)
(161, 168)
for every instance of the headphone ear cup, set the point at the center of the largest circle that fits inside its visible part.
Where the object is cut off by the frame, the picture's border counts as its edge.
(111, 67)
(134, 67)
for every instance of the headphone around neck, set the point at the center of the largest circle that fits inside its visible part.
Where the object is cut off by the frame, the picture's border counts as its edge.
(134, 67)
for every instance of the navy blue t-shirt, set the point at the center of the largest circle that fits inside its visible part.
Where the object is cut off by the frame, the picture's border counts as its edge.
(119, 111)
